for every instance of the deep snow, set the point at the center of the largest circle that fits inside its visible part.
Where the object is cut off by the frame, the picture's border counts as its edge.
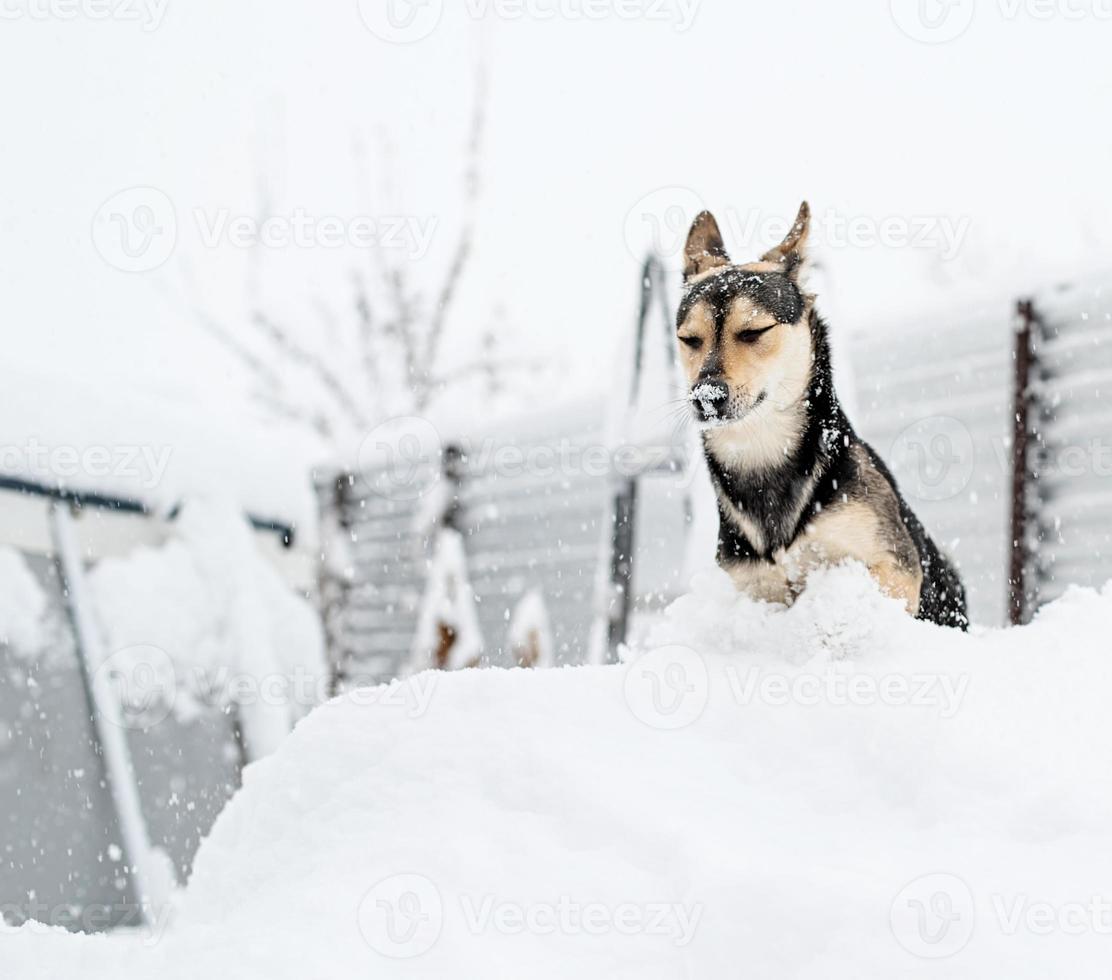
(831, 790)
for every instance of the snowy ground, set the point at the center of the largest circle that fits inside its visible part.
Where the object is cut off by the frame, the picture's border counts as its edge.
(832, 790)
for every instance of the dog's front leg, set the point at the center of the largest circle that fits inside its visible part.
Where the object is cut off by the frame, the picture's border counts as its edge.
(898, 581)
(761, 580)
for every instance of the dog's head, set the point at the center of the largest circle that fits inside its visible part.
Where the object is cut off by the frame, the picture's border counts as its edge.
(742, 329)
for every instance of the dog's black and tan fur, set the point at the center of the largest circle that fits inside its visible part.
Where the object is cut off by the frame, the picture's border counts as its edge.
(796, 486)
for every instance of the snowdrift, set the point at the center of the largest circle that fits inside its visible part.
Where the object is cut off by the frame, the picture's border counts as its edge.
(831, 790)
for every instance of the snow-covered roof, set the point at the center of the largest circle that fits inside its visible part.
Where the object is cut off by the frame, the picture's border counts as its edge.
(78, 437)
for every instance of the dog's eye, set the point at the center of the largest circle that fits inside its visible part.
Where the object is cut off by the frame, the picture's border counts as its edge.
(693, 342)
(751, 336)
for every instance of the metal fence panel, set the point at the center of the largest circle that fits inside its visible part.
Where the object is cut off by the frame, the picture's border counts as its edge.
(186, 772)
(522, 531)
(389, 548)
(543, 525)
(936, 403)
(62, 856)
(1074, 354)
(61, 859)
(543, 533)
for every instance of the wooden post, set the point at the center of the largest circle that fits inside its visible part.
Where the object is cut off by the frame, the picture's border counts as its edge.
(445, 634)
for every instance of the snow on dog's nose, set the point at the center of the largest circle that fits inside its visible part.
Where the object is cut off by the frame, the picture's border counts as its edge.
(709, 397)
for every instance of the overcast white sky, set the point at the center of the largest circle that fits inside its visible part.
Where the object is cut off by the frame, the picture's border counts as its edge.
(993, 148)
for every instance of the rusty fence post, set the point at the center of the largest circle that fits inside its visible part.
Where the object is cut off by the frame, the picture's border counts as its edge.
(336, 572)
(1029, 413)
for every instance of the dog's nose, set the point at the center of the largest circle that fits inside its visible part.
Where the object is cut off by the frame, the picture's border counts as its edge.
(709, 398)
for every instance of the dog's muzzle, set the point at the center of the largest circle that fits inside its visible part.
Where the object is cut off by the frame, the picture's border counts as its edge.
(709, 400)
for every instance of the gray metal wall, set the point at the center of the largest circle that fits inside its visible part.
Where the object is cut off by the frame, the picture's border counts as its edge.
(57, 823)
(536, 532)
(389, 558)
(61, 852)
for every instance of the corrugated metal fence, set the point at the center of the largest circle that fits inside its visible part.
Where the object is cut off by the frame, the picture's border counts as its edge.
(935, 400)
(938, 400)
(1065, 532)
(588, 510)
(997, 426)
(543, 522)
(66, 855)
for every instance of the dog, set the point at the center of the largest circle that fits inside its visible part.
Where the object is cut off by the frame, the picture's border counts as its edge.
(796, 486)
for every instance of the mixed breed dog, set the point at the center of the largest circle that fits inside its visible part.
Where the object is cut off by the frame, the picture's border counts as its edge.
(796, 486)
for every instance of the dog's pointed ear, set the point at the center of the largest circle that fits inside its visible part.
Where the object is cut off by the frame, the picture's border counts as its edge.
(705, 249)
(792, 250)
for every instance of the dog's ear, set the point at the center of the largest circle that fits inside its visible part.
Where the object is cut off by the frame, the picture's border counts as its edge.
(705, 248)
(792, 250)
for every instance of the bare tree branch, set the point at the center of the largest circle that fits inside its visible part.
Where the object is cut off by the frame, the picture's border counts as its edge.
(366, 331)
(471, 189)
(270, 388)
(399, 333)
(329, 380)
